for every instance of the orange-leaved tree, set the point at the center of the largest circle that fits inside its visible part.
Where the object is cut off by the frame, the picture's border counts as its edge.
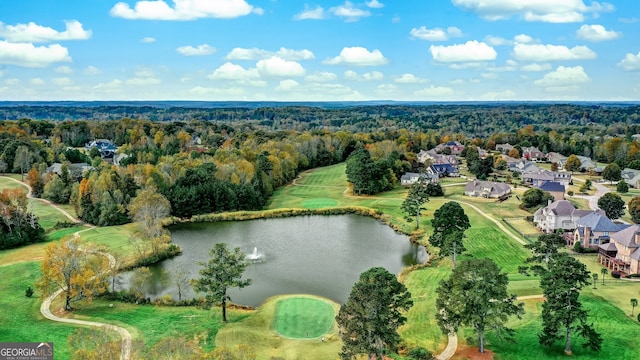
(72, 266)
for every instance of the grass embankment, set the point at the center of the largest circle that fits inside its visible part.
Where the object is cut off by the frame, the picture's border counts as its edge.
(302, 317)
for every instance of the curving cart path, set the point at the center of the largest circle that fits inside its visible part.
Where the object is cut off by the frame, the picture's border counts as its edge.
(45, 307)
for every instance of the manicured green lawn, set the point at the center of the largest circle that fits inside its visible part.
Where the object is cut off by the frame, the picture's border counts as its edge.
(257, 331)
(150, 324)
(20, 316)
(618, 331)
(114, 238)
(303, 317)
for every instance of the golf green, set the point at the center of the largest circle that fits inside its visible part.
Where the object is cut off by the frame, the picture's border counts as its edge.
(303, 317)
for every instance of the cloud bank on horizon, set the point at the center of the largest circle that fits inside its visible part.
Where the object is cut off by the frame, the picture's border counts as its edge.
(323, 50)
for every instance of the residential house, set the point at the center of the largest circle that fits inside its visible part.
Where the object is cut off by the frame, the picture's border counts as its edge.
(433, 157)
(76, 170)
(539, 178)
(106, 147)
(631, 177)
(487, 189)
(554, 188)
(622, 253)
(118, 158)
(557, 158)
(586, 164)
(558, 215)
(411, 178)
(532, 153)
(504, 148)
(595, 229)
(455, 147)
(524, 166)
(444, 170)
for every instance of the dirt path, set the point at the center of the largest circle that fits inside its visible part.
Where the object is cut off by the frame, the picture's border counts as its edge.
(45, 307)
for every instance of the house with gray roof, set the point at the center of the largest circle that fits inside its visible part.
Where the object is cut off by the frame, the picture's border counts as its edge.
(586, 164)
(554, 157)
(411, 178)
(504, 148)
(533, 153)
(631, 177)
(558, 215)
(539, 178)
(487, 189)
(622, 253)
(595, 229)
(554, 188)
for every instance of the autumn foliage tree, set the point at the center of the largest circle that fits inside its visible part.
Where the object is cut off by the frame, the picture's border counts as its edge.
(18, 224)
(73, 267)
(148, 209)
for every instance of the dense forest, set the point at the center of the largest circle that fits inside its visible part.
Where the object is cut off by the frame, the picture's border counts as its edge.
(206, 160)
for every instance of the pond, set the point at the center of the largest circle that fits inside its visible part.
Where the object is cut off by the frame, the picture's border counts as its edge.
(318, 255)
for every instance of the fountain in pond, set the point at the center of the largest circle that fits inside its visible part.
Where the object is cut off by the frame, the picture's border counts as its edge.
(254, 256)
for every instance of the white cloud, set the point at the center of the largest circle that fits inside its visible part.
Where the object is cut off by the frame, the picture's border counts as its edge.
(12, 82)
(409, 79)
(91, 70)
(308, 13)
(183, 10)
(28, 55)
(277, 66)
(435, 92)
(143, 81)
(349, 12)
(630, 62)
(435, 34)
(323, 76)
(63, 70)
(113, 84)
(533, 10)
(287, 85)
(257, 54)
(596, 33)
(368, 76)
(230, 71)
(518, 39)
(147, 40)
(290, 54)
(510, 65)
(32, 32)
(501, 95)
(374, 4)
(200, 50)
(538, 52)
(62, 81)
(358, 56)
(523, 39)
(563, 77)
(469, 51)
(37, 81)
(247, 54)
(536, 67)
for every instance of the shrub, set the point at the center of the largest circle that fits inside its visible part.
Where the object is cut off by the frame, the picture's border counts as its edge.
(570, 192)
(615, 274)
(420, 354)
(577, 247)
(29, 292)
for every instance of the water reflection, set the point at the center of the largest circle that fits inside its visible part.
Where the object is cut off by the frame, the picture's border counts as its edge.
(320, 255)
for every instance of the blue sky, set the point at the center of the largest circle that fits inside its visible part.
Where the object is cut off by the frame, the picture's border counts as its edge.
(325, 50)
